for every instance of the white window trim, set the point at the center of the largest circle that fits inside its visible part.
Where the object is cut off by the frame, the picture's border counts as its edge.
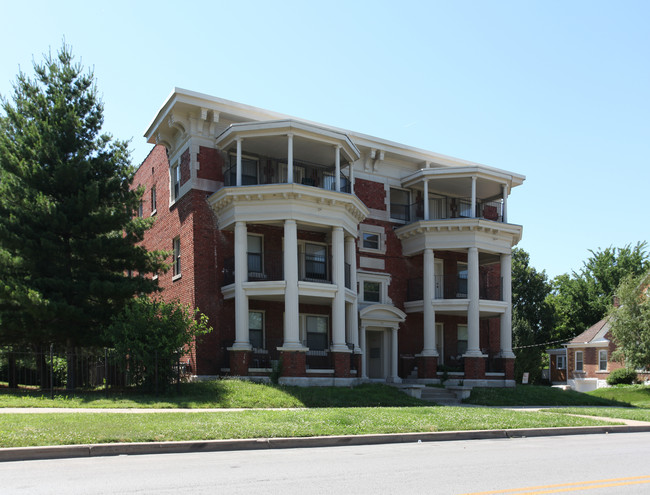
(172, 175)
(390, 202)
(557, 362)
(599, 360)
(154, 199)
(372, 229)
(582, 361)
(263, 327)
(384, 280)
(302, 318)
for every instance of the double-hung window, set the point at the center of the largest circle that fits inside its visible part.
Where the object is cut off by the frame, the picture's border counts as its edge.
(462, 340)
(400, 204)
(176, 182)
(560, 362)
(316, 329)
(579, 361)
(153, 199)
(602, 360)
(256, 329)
(255, 257)
(316, 262)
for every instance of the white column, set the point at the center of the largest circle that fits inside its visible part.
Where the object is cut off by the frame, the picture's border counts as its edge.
(239, 140)
(473, 341)
(426, 200)
(290, 159)
(473, 212)
(242, 341)
(351, 178)
(505, 203)
(429, 316)
(291, 301)
(506, 317)
(337, 167)
(394, 378)
(362, 344)
(338, 278)
(353, 308)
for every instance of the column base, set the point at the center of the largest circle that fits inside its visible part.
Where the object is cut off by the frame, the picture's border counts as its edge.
(427, 366)
(474, 367)
(294, 363)
(341, 361)
(239, 361)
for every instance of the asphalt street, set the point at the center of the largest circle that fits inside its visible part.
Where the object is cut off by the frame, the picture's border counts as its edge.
(596, 464)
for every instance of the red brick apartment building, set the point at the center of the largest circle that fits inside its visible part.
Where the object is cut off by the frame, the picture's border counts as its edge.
(345, 257)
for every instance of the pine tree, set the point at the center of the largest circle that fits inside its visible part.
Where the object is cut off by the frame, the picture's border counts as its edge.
(68, 253)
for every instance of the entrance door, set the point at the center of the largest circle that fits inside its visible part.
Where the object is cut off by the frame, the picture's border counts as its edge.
(375, 351)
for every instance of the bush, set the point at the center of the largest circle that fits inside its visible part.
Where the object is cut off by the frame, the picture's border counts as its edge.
(622, 376)
(153, 333)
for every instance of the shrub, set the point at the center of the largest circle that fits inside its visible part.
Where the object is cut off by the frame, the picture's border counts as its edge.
(622, 376)
(152, 334)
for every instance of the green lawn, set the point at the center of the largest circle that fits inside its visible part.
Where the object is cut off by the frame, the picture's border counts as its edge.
(220, 394)
(532, 395)
(607, 412)
(637, 395)
(80, 428)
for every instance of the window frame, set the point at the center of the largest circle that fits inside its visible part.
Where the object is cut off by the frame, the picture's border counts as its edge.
(581, 361)
(372, 230)
(560, 362)
(407, 215)
(262, 330)
(304, 330)
(466, 339)
(383, 279)
(261, 273)
(377, 292)
(600, 360)
(176, 258)
(175, 182)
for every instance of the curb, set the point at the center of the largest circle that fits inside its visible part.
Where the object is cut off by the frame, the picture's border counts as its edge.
(114, 449)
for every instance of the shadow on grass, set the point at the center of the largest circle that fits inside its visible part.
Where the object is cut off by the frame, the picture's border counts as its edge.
(536, 395)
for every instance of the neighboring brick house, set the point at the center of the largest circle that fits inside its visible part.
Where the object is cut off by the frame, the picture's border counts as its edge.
(585, 362)
(347, 257)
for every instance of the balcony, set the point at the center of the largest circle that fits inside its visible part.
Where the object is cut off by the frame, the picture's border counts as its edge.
(447, 208)
(455, 288)
(269, 266)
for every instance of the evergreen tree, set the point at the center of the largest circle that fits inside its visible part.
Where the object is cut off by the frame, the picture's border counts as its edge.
(67, 229)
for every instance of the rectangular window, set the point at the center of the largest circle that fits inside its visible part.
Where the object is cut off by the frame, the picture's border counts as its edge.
(255, 257)
(461, 280)
(602, 360)
(561, 362)
(140, 209)
(177, 257)
(579, 362)
(256, 329)
(315, 262)
(400, 204)
(372, 291)
(370, 241)
(153, 199)
(316, 332)
(176, 182)
(248, 171)
(462, 340)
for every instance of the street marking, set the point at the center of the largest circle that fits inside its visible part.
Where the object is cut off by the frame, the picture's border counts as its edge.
(571, 487)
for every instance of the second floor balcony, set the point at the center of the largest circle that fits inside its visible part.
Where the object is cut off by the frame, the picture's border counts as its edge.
(445, 287)
(269, 266)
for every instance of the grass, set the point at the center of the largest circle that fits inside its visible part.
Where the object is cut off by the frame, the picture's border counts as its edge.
(220, 394)
(637, 395)
(607, 412)
(533, 395)
(18, 430)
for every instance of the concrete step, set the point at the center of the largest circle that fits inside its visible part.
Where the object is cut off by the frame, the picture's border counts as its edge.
(440, 396)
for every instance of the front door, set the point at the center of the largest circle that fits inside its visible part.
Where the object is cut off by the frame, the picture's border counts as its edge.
(375, 352)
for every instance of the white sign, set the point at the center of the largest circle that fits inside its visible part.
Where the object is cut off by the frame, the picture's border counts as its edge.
(524, 379)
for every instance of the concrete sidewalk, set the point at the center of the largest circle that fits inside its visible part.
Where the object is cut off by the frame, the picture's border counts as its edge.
(96, 450)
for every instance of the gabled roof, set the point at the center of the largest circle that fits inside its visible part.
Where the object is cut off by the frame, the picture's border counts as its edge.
(595, 333)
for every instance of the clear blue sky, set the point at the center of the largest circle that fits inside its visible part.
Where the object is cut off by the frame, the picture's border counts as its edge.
(556, 90)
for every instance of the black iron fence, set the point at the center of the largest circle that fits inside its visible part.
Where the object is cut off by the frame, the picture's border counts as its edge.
(86, 369)
(490, 288)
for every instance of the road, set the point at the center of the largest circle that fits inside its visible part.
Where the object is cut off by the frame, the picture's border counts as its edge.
(522, 465)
